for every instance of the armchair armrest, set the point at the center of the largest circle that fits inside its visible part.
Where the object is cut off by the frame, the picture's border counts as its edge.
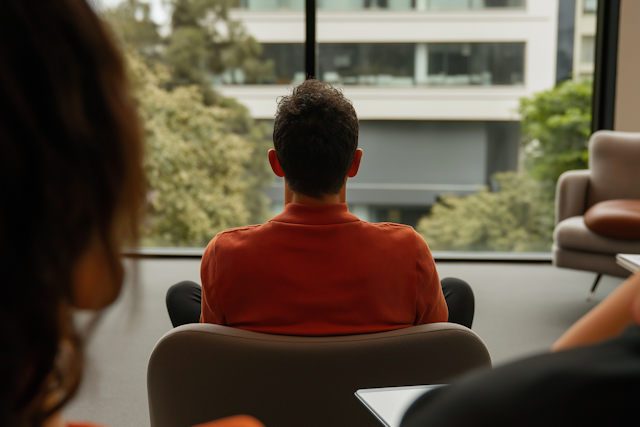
(571, 194)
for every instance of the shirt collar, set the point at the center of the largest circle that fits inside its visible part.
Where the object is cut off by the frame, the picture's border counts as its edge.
(296, 213)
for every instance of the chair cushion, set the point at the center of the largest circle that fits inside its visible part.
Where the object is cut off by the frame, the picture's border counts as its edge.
(572, 233)
(619, 219)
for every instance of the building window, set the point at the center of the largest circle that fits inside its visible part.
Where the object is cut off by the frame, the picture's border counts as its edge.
(590, 6)
(470, 4)
(383, 4)
(430, 64)
(588, 50)
(381, 64)
(394, 64)
(486, 64)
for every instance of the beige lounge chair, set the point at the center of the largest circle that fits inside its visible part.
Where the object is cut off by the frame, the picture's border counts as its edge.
(201, 372)
(614, 173)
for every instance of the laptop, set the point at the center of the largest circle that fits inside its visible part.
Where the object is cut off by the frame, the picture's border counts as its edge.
(389, 404)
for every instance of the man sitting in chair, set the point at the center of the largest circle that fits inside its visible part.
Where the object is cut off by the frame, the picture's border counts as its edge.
(316, 269)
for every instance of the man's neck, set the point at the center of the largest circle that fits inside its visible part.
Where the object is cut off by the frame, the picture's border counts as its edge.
(330, 199)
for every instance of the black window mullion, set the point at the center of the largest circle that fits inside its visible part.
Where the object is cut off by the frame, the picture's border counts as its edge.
(310, 45)
(604, 81)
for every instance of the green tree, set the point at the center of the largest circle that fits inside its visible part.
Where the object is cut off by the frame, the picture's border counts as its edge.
(177, 99)
(556, 126)
(518, 217)
(196, 169)
(205, 42)
(131, 21)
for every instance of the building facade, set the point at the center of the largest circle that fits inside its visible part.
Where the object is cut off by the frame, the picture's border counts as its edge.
(436, 85)
(585, 38)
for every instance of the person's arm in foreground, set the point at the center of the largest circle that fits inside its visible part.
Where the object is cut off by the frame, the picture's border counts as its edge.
(430, 305)
(236, 421)
(606, 320)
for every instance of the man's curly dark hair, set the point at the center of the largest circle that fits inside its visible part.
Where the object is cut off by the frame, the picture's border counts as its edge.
(315, 137)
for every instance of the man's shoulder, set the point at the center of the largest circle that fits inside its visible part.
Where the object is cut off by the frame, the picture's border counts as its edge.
(240, 230)
(388, 227)
(391, 230)
(231, 235)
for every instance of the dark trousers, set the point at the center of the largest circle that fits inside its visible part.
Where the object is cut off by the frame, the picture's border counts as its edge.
(184, 301)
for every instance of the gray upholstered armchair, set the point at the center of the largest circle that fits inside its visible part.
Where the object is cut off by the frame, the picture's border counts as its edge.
(614, 173)
(200, 372)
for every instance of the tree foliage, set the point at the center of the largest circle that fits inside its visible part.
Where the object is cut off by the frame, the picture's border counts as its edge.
(131, 21)
(206, 156)
(205, 42)
(556, 126)
(518, 217)
(195, 168)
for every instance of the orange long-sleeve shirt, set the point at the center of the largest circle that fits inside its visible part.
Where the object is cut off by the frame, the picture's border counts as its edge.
(319, 270)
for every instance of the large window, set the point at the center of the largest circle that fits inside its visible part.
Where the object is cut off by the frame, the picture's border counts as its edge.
(463, 126)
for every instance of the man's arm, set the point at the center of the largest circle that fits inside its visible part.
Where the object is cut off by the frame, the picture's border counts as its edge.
(430, 304)
(211, 311)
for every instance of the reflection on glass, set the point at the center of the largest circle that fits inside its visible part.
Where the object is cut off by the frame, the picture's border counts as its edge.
(346, 5)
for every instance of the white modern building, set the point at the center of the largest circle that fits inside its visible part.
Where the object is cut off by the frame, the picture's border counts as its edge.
(436, 85)
(584, 39)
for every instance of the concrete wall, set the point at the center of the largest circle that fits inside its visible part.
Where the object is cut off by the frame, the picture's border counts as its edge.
(411, 163)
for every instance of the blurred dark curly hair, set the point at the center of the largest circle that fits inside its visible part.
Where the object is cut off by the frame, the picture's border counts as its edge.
(315, 137)
(71, 171)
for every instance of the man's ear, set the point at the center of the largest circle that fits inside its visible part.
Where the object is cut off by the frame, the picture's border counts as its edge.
(275, 164)
(353, 170)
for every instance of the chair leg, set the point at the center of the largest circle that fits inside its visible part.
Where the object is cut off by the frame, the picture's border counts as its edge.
(593, 287)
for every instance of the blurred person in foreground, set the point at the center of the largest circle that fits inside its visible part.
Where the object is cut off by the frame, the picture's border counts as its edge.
(72, 193)
(591, 378)
(317, 269)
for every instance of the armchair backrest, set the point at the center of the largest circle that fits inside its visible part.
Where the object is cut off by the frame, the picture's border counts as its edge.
(614, 161)
(201, 372)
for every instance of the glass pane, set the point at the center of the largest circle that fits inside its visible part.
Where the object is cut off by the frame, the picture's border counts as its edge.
(407, 64)
(454, 114)
(288, 66)
(463, 127)
(206, 142)
(463, 64)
